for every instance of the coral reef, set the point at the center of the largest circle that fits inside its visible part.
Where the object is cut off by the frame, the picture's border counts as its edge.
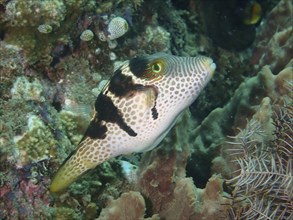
(87, 35)
(228, 157)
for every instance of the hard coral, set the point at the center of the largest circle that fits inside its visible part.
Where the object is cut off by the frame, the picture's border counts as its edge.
(23, 89)
(11, 66)
(19, 13)
(173, 196)
(130, 205)
(36, 144)
(274, 40)
(211, 134)
(74, 125)
(24, 193)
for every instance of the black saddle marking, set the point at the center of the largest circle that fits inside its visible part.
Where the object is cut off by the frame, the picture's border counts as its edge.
(121, 85)
(107, 112)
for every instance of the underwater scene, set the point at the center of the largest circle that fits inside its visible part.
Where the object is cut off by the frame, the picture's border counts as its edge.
(146, 109)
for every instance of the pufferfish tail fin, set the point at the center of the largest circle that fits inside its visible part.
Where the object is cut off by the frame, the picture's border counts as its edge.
(87, 156)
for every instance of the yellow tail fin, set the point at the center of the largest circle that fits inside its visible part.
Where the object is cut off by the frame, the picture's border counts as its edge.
(86, 157)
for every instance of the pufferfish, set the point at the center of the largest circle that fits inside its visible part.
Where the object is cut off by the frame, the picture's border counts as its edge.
(136, 109)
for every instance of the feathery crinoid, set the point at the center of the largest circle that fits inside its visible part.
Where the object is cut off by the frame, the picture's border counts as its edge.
(263, 184)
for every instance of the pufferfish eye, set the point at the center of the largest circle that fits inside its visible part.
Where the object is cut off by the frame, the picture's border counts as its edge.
(154, 71)
(157, 67)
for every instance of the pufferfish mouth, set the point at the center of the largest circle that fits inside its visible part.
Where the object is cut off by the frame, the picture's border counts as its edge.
(209, 66)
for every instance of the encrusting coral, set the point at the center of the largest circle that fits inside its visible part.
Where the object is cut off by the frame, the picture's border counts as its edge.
(36, 144)
(23, 89)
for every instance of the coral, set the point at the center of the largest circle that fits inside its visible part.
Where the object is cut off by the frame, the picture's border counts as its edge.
(65, 213)
(262, 170)
(162, 180)
(12, 65)
(87, 35)
(222, 121)
(154, 39)
(37, 143)
(13, 59)
(18, 13)
(116, 28)
(182, 200)
(74, 125)
(158, 36)
(77, 74)
(45, 28)
(22, 29)
(24, 193)
(23, 89)
(48, 86)
(176, 26)
(120, 209)
(274, 40)
(18, 110)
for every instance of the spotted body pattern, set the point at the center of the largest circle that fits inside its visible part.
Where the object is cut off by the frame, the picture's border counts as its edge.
(136, 109)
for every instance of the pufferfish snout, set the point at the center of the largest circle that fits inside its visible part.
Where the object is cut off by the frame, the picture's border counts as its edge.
(136, 109)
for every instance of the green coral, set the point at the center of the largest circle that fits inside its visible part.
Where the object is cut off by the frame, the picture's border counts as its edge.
(74, 125)
(23, 89)
(81, 79)
(159, 37)
(21, 20)
(19, 13)
(64, 213)
(10, 66)
(37, 143)
(12, 109)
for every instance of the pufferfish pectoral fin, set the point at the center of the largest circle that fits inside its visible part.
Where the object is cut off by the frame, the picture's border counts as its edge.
(79, 161)
(149, 96)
